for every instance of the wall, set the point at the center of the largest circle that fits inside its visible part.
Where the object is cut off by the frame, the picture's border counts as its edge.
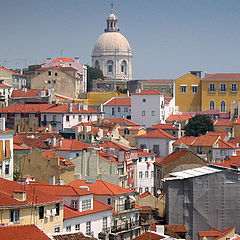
(119, 112)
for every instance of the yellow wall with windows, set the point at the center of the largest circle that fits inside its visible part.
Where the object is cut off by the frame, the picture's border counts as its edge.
(30, 215)
(188, 101)
(217, 96)
(161, 87)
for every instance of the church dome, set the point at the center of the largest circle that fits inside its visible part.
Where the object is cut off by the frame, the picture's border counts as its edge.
(112, 41)
(112, 17)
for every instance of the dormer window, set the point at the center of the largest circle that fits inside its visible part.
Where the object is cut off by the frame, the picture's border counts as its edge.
(86, 205)
(74, 204)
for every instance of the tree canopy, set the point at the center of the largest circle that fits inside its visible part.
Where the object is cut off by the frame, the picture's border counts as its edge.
(198, 125)
(93, 74)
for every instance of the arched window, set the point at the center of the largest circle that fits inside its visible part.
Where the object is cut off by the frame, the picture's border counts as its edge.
(223, 106)
(212, 105)
(110, 66)
(124, 67)
(97, 64)
(126, 131)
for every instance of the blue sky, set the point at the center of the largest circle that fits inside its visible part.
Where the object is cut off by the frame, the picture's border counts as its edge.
(168, 38)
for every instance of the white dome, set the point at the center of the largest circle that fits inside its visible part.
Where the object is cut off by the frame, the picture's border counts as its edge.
(112, 17)
(112, 41)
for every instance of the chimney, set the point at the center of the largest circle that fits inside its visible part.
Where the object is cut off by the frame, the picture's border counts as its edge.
(160, 229)
(53, 141)
(70, 107)
(2, 124)
(48, 59)
(85, 107)
(60, 142)
(78, 106)
(19, 195)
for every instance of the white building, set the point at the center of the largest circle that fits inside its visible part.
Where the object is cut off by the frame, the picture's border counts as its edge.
(112, 53)
(6, 151)
(117, 107)
(147, 107)
(157, 141)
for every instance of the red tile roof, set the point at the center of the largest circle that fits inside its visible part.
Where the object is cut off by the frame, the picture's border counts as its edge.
(145, 194)
(107, 157)
(72, 236)
(232, 161)
(4, 85)
(8, 187)
(146, 92)
(149, 235)
(205, 140)
(17, 147)
(222, 76)
(178, 117)
(235, 141)
(100, 187)
(24, 232)
(215, 233)
(30, 142)
(159, 133)
(225, 145)
(60, 97)
(223, 123)
(187, 140)
(111, 144)
(30, 93)
(8, 70)
(142, 153)
(164, 126)
(222, 135)
(177, 228)
(62, 60)
(121, 121)
(130, 128)
(159, 81)
(97, 207)
(119, 101)
(167, 100)
(72, 145)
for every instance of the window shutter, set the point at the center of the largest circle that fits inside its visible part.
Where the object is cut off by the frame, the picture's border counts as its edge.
(1, 151)
(7, 149)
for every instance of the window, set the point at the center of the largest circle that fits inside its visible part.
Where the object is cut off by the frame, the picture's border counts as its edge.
(57, 229)
(54, 81)
(146, 189)
(140, 190)
(113, 111)
(183, 89)
(233, 87)
(223, 106)
(88, 228)
(152, 174)
(79, 118)
(158, 174)
(153, 113)
(143, 146)
(155, 89)
(86, 204)
(212, 87)
(104, 224)
(31, 115)
(152, 190)
(124, 67)
(77, 154)
(55, 74)
(199, 149)
(108, 201)
(67, 118)
(126, 131)
(212, 105)
(68, 229)
(119, 109)
(163, 90)
(144, 100)
(49, 73)
(156, 149)
(14, 215)
(143, 113)
(74, 204)
(146, 174)
(97, 64)
(57, 209)
(41, 212)
(110, 66)
(140, 174)
(17, 115)
(49, 82)
(125, 109)
(194, 89)
(7, 169)
(77, 227)
(222, 152)
(223, 87)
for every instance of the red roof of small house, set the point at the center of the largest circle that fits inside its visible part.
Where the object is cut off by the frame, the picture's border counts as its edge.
(97, 207)
(62, 60)
(145, 194)
(141, 153)
(235, 141)
(72, 145)
(222, 76)
(130, 128)
(223, 123)
(214, 232)
(172, 157)
(10, 71)
(100, 187)
(111, 144)
(221, 144)
(232, 161)
(177, 228)
(179, 117)
(149, 235)
(29, 93)
(146, 92)
(29, 142)
(121, 121)
(222, 135)
(167, 100)
(119, 101)
(205, 140)
(17, 147)
(107, 157)
(158, 133)
(7, 189)
(22, 232)
(187, 140)
(164, 126)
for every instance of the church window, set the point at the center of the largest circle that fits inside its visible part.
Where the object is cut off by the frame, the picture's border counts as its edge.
(110, 66)
(124, 67)
(223, 106)
(97, 64)
(212, 105)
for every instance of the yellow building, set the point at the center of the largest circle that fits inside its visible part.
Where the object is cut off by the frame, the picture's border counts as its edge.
(23, 205)
(188, 92)
(219, 91)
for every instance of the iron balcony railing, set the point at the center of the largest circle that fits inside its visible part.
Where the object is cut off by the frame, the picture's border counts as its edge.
(125, 226)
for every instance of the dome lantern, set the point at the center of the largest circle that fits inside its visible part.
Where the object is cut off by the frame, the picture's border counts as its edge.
(112, 22)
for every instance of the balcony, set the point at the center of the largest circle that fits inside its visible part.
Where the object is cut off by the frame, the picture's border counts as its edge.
(125, 226)
(127, 206)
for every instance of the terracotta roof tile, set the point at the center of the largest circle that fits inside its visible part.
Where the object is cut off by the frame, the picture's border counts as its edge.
(177, 228)
(225, 145)
(145, 194)
(149, 235)
(146, 92)
(214, 233)
(4, 85)
(159, 133)
(233, 161)
(100, 187)
(223, 123)
(17, 147)
(8, 70)
(164, 126)
(178, 117)
(73, 236)
(72, 145)
(205, 140)
(24, 232)
(222, 76)
(119, 101)
(111, 144)
(121, 121)
(62, 60)
(97, 207)
(143, 153)
(30, 93)
(187, 140)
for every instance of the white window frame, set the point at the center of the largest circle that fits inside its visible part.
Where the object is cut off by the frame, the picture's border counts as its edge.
(234, 87)
(194, 89)
(212, 87)
(223, 87)
(183, 89)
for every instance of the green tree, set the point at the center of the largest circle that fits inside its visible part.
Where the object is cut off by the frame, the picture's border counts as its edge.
(198, 125)
(93, 74)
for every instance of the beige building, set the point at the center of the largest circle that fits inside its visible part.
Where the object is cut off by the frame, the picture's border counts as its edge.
(47, 166)
(24, 205)
(58, 78)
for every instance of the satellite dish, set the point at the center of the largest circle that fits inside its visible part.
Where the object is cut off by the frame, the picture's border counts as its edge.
(159, 192)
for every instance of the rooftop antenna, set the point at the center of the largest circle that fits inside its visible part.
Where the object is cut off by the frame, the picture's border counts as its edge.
(111, 7)
(61, 53)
